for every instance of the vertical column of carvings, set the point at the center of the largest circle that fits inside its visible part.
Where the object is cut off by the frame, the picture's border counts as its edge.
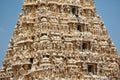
(22, 39)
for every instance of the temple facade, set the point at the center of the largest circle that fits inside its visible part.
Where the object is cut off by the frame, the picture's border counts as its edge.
(60, 40)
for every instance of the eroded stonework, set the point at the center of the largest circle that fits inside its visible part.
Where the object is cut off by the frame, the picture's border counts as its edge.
(60, 40)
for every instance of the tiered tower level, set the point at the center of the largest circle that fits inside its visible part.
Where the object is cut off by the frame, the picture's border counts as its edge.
(60, 40)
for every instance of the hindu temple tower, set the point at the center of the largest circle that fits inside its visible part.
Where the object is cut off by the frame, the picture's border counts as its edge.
(60, 40)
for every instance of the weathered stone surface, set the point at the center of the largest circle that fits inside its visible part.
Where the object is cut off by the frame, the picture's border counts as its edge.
(60, 40)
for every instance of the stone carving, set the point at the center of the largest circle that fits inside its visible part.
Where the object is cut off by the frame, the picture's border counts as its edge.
(60, 40)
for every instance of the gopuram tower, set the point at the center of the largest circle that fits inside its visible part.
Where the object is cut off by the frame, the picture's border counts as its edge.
(60, 40)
